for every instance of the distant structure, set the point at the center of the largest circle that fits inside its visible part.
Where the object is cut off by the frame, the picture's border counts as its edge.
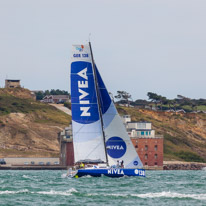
(12, 83)
(66, 147)
(56, 99)
(148, 145)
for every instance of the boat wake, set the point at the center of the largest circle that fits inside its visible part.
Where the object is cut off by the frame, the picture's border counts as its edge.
(64, 175)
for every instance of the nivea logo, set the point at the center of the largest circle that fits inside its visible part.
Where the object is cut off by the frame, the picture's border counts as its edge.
(80, 48)
(83, 96)
(135, 163)
(116, 147)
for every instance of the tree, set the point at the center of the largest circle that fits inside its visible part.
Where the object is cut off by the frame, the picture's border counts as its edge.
(39, 95)
(154, 98)
(124, 97)
(157, 99)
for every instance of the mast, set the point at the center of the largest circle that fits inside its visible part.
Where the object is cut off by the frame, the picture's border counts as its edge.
(98, 101)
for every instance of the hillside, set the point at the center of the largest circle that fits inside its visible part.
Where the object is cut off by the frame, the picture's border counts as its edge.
(27, 127)
(184, 134)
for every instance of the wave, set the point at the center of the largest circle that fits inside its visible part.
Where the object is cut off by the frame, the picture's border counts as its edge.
(51, 192)
(171, 195)
(64, 175)
(13, 192)
(144, 196)
(156, 195)
(26, 177)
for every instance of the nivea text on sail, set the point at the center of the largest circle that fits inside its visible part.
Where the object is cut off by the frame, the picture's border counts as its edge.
(83, 94)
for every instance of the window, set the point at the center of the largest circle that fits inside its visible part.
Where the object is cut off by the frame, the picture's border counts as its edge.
(155, 156)
(155, 147)
(146, 148)
(155, 163)
(136, 146)
(145, 163)
(146, 156)
(142, 132)
(146, 133)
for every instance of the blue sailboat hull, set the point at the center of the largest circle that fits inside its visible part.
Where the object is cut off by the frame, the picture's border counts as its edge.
(110, 172)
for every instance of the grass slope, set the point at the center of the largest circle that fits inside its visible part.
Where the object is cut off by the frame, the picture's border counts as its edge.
(184, 134)
(28, 127)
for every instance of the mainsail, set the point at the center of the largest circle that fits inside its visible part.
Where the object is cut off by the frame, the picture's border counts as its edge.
(86, 125)
(88, 133)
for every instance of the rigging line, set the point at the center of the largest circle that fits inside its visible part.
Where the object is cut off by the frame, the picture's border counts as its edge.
(98, 101)
(93, 150)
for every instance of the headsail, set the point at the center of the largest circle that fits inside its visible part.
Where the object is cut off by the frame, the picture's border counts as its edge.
(87, 131)
(118, 143)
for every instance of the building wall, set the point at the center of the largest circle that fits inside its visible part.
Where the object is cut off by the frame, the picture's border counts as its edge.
(150, 150)
(12, 83)
(139, 125)
(126, 118)
(70, 154)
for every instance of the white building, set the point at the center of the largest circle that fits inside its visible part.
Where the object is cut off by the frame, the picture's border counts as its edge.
(138, 129)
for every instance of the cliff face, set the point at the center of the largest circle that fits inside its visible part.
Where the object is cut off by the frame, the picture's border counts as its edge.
(28, 128)
(184, 134)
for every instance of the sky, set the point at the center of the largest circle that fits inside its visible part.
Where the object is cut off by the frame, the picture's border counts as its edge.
(139, 46)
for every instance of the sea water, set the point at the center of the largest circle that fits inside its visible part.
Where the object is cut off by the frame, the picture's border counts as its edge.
(48, 187)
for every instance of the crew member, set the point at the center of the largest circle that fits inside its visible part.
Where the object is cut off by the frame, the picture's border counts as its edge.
(117, 164)
(122, 164)
(81, 165)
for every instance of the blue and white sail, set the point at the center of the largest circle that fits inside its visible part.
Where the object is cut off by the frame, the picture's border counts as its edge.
(87, 129)
(118, 143)
(87, 132)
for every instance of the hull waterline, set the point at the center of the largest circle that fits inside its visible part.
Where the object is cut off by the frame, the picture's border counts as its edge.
(117, 172)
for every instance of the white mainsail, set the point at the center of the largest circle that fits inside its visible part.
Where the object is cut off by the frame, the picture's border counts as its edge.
(87, 132)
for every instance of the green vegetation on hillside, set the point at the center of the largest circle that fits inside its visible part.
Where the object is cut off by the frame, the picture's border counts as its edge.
(43, 113)
(184, 134)
(41, 94)
(159, 102)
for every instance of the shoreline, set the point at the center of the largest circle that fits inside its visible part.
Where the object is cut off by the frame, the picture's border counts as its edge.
(178, 165)
(37, 167)
(168, 165)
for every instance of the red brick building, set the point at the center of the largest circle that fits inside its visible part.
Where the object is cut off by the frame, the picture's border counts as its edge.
(148, 145)
(150, 151)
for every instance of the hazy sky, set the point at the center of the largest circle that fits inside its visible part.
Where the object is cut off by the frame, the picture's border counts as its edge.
(139, 46)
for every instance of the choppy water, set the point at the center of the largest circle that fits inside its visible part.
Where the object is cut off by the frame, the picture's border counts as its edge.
(53, 188)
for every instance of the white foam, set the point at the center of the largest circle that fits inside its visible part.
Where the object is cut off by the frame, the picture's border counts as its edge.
(171, 195)
(51, 192)
(12, 192)
(26, 177)
(63, 193)
(64, 175)
(156, 195)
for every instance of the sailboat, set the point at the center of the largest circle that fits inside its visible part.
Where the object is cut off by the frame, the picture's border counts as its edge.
(99, 135)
